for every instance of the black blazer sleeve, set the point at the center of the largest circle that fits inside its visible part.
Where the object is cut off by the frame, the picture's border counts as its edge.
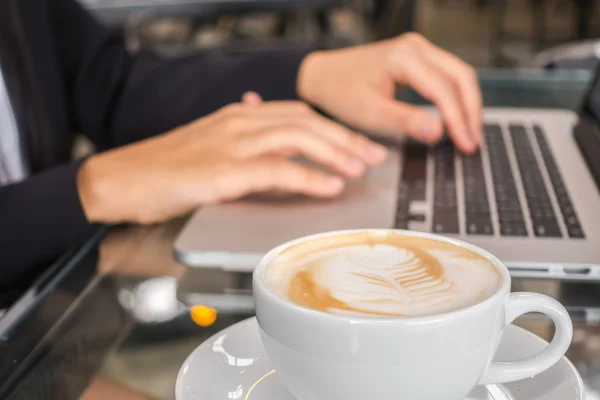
(40, 218)
(161, 94)
(119, 97)
(116, 98)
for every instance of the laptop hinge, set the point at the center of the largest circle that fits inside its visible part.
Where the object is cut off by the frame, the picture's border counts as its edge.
(587, 137)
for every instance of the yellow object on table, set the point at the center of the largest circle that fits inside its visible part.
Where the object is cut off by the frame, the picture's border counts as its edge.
(203, 315)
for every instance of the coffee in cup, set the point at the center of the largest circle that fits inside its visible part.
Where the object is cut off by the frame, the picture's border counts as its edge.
(389, 275)
(391, 314)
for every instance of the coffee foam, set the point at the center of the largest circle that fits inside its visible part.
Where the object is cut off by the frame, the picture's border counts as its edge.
(372, 274)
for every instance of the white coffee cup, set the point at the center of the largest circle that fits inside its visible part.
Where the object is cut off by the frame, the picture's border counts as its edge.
(323, 356)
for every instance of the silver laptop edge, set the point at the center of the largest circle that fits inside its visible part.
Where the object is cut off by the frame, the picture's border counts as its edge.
(235, 236)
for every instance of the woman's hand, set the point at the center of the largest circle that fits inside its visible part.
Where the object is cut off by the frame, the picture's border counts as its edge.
(238, 150)
(357, 85)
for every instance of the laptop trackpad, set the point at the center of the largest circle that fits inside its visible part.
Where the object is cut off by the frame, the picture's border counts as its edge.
(258, 223)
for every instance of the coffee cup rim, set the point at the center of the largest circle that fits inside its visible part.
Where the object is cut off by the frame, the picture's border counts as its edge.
(259, 282)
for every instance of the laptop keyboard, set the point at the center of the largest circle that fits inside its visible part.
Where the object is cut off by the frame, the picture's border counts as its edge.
(445, 218)
(560, 191)
(511, 219)
(521, 198)
(412, 187)
(542, 216)
(478, 214)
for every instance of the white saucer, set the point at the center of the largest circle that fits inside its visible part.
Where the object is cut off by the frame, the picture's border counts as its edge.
(232, 365)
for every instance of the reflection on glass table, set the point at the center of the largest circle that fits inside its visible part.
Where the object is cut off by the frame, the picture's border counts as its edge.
(148, 360)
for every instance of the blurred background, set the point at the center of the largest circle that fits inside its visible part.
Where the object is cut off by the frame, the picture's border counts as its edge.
(486, 33)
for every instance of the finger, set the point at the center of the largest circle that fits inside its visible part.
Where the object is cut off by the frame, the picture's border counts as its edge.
(292, 140)
(464, 77)
(278, 107)
(354, 143)
(252, 99)
(275, 173)
(435, 87)
(351, 142)
(392, 116)
(272, 114)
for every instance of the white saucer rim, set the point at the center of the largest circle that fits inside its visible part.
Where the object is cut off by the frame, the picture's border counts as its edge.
(579, 379)
(178, 380)
(251, 320)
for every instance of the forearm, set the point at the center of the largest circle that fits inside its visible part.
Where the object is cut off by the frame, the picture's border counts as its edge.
(162, 94)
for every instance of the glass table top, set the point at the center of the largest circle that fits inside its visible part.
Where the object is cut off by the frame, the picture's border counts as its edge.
(146, 363)
(132, 328)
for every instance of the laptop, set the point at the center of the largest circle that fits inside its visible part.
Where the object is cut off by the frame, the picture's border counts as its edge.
(530, 195)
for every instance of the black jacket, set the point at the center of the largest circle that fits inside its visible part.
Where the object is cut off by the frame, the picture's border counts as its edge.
(68, 74)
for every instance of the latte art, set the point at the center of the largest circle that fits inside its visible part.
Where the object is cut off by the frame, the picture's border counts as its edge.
(391, 275)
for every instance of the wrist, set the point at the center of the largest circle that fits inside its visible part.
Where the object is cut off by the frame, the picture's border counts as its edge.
(308, 77)
(113, 185)
(103, 191)
(89, 191)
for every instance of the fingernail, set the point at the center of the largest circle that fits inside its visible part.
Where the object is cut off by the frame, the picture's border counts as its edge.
(427, 128)
(377, 151)
(334, 183)
(469, 147)
(355, 165)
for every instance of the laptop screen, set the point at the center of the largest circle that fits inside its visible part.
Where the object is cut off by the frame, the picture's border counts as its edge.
(591, 101)
(587, 131)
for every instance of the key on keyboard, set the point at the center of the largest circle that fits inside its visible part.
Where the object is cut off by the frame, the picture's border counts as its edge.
(510, 215)
(564, 202)
(412, 183)
(477, 208)
(415, 171)
(445, 215)
(538, 201)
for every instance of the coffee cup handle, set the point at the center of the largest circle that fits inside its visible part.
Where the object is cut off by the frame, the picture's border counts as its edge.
(523, 303)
